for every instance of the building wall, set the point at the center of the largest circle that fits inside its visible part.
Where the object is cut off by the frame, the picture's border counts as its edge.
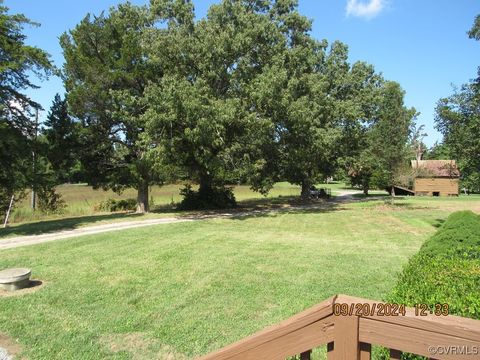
(427, 186)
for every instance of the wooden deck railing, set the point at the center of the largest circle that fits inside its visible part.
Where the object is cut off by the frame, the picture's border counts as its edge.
(350, 337)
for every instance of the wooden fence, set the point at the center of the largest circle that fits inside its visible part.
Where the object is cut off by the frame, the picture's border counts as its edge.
(350, 336)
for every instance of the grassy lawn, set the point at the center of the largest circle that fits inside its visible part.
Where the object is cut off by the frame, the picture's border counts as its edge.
(81, 201)
(182, 290)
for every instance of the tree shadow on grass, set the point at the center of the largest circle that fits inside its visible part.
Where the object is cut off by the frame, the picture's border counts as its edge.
(291, 205)
(50, 226)
(363, 196)
(246, 209)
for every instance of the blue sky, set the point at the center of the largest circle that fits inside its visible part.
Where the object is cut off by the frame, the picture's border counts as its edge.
(422, 44)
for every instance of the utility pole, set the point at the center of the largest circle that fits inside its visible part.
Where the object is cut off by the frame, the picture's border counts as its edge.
(34, 197)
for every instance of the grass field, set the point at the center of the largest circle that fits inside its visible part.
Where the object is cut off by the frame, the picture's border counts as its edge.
(181, 290)
(81, 201)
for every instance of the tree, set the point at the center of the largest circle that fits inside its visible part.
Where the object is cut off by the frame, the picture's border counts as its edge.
(474, 32)
(62, 136)
(458, 119)
(358, 106)
(315, 99)
(439, 151)
(15, 160)
(390, 135)
(17, 64)
(202, 111)
(381, 147)
(106, 72)
(416, 141)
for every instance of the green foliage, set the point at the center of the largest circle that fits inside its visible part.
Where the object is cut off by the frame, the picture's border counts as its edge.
(244, 95)
(105, 73)
(446, 270)
(213, 198)
(452, 277)
(15, 157)
(461, 230)
(203, 111)
(17, 64)
(112, 205)
(49, 200)
(474, 32)
(458, 119)
(62, 135)
(439, 151)
(389, 137)
(44, 181)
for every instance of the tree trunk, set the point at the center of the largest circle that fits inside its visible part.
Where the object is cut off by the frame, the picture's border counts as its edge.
(305, 190)
(392, 197)
(205, 186)
(142, 198)
(365, 190)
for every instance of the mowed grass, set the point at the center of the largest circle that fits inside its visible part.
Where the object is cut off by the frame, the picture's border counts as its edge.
(81, 207)
(82, 200)
(182, 290)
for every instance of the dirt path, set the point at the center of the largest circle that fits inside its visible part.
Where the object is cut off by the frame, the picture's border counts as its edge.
(18, 241)
(344, 195)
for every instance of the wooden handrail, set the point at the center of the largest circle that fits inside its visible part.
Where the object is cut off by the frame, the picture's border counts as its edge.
(350, 336)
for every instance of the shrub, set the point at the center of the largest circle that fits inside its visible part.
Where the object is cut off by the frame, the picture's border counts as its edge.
(460, 230)
(446, 270)
(49, 201)
(215, 198)
(452, 278)
(113, 205)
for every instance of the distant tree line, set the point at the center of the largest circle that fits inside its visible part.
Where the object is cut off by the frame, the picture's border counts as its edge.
(244, 95)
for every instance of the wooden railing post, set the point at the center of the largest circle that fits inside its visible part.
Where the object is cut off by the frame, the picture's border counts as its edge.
(346, 338)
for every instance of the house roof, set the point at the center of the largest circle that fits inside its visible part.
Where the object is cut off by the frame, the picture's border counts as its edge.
(436, 168)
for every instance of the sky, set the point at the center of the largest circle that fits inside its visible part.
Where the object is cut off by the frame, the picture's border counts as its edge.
(422, 44)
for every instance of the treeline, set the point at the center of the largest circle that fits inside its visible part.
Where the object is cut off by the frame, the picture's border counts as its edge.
(244, 95)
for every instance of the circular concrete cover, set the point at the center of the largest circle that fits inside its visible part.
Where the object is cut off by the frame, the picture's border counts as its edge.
(9, 276)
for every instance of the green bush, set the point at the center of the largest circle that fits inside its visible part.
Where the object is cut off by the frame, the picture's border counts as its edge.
(460, 230)
(49, 201)
(113, 205)
(452, 278)
(215, 198)
(445, 271)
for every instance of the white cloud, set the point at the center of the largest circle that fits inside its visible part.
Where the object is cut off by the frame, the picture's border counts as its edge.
(367, 10)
